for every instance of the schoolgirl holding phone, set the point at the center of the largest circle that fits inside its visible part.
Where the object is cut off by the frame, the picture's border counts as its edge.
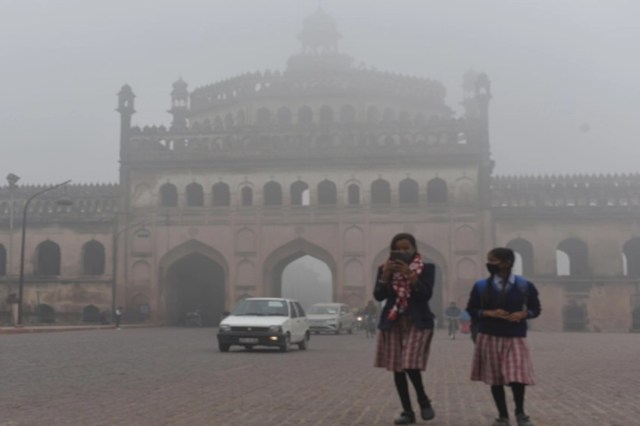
(405, 282)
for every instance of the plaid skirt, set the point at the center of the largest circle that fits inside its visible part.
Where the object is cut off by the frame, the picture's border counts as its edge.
(403, 347)
(502, 360)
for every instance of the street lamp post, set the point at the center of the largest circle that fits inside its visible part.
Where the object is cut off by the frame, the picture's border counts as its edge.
(24, 232)
(12, 180)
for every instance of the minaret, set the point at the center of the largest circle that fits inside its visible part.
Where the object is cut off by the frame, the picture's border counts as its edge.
(126, 109)
(477, 94)
(179, 105)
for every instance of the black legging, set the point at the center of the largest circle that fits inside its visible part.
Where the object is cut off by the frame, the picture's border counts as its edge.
(501, 402)
(402, 386)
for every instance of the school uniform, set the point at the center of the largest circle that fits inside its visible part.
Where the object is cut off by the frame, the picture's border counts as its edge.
(404, 342)
(501, 353)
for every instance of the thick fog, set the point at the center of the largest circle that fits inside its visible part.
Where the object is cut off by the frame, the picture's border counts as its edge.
(564, 73)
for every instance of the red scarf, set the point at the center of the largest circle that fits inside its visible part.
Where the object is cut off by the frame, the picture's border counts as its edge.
(402, 286)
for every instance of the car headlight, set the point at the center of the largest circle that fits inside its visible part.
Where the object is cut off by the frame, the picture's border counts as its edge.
(224, 327)
(275, 329)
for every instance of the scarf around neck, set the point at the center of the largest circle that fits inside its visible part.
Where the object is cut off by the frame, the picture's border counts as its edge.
(402, 287)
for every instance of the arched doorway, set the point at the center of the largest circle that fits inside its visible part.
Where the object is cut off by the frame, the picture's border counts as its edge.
(635, 319)
(194, 281)
(574, 317)
(307, 280)
(286, 255)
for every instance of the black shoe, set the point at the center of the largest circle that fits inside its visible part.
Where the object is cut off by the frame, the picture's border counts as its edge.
(426, 410)
(523, 420)
(406, 418)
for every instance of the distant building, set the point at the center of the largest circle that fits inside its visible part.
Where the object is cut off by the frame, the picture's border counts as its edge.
(329, 160)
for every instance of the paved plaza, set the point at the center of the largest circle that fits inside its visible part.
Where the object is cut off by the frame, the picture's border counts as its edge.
(174, 376)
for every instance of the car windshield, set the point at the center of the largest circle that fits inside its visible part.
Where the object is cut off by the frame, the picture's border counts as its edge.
(262, 308)
(323, 310)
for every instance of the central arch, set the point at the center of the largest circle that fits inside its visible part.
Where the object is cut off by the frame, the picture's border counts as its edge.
(278, 260)
(194, 278)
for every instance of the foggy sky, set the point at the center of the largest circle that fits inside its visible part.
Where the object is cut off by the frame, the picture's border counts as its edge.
(564, 73)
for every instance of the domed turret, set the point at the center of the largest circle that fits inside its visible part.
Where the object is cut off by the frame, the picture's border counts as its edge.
(179, 104)
(126, 108)
(319, 38)
(319, 34)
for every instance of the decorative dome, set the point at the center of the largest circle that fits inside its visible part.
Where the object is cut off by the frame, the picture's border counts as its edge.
(180, 88)
(319, 33)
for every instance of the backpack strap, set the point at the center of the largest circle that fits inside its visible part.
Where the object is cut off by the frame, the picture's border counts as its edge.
(523, 285)
(481, 285)
(521, 282)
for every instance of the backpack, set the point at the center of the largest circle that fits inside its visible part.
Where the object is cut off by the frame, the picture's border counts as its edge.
(522, 284)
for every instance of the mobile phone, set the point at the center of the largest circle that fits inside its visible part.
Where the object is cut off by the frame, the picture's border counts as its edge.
(400, 255)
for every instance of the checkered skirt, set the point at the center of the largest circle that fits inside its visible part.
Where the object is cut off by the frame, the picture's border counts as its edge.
(403, 347)
(502, 360)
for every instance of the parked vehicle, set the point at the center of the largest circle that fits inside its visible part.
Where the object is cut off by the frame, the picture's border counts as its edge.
(265, 322)
(331, 317)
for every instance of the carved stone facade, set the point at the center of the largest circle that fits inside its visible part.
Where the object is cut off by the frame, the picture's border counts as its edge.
(328, 160)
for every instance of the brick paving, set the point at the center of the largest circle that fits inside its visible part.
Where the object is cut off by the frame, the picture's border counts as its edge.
(173, 376)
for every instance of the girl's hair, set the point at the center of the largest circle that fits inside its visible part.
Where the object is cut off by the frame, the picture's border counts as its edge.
(403, 236)
(504, 254)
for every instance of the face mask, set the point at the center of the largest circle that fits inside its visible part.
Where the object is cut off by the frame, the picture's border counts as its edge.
(493, 268)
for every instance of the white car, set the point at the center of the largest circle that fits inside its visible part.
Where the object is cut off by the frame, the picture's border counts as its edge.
(265, 321)
(331, 317)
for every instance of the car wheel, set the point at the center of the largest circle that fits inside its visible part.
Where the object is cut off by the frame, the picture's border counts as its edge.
(338, 329)
(223, 347)
(350, 330)
(286, 345)
(305, 343)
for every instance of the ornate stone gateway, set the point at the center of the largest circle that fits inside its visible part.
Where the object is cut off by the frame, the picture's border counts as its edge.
(330, 160)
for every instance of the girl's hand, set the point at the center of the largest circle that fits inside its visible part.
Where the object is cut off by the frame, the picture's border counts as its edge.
(400, 266)
(517, 316)
(387, 270)
(498, 313)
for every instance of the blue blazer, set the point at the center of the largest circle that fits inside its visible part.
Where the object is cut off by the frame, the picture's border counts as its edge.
(418, 310)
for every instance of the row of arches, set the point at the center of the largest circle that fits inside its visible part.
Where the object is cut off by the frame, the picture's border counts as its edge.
(572, 257)
(322, 115)
(326, 191)
(48, 259)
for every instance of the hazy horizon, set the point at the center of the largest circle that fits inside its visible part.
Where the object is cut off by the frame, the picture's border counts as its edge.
(564, 75)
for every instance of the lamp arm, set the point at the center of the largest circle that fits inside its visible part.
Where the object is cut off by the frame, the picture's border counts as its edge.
(24, 233)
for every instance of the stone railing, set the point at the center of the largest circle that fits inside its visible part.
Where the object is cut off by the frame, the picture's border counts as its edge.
(89, 202)
(447, 137)
(621, 190)
(352, 80)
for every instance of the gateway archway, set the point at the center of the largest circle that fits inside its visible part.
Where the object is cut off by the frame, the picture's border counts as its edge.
(194, 280)
(308, 280)
(284, 256)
